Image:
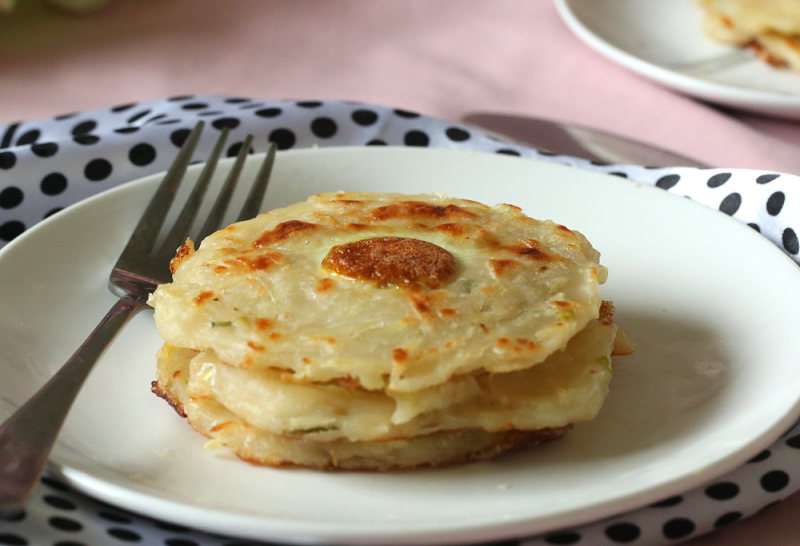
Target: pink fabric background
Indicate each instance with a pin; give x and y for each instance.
(439, 57)
(444, 58)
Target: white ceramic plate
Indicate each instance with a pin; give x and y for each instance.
(712, 305)
(664, 41)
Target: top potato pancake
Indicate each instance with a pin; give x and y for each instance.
(389, 291)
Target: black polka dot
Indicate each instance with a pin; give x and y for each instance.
(53, 184)
(416, 137)
(10, 197)
(670, 501)
(668, 181)
(507, 151)
(157, 117)
(29, 137)
(51, 212)
(65, 524)
(457, 134)
(7, 160)
(793, 441)
(323, 127)
(766, 178)
(268, 112)
(123, 107)
(774, 480)
(114, 516)
(97, 169)
(86, 140)
(168, 122)
(179, 98)
(84, 127)
(762, 456)
(236, 100)
(618, 173)
(790, 242)
(731, 203)
(678, 528)
(142, 154)
(210, 113)
(623, 532)
(233, 149)
(17, 515)
(566, 537)
(179, 136)
(722, 490)
(126, 130)
(775, 203)
(406, 114)
(718, 179)
(221, 123)
(364, 117)
(55, 484)
(376, 142)
(727, 518)
(600, 163)
(11, 229)
(309, 104)
(137, 116)
(12, 540)
(59, 502)
(45, 149)
(171, 527)
(125, 535)
(66, 116)
(180, 542)
(754, 226)
(194, 106)
(283, 138)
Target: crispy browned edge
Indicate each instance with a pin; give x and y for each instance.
(511, 440)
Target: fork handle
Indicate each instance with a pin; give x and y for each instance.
(27, 437)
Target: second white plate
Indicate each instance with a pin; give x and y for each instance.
(712, 304)
(664, 41)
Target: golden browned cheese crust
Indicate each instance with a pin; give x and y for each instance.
(449, 286)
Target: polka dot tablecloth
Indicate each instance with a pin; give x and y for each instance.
(48, 164)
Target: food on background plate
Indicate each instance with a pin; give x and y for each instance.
(382, 331)
(770, 27)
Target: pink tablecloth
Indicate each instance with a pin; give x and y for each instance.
(445, 58)
(440, 57)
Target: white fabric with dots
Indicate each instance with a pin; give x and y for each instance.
(48, 164)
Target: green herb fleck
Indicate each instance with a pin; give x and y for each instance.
(221, 323)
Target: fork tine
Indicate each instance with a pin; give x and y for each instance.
(180, 230)
(252, 204)
(217, 213)
(146, 232)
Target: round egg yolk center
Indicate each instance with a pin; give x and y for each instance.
(392, 261)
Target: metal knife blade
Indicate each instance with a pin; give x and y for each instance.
(578, 141)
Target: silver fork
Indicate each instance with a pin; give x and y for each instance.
(27, 437)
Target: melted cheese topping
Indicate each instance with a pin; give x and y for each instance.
(484, 289)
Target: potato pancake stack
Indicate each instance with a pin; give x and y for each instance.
(381, 331)
(770, 27)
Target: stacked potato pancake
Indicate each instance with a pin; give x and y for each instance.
(382, 331)
(770, 27)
